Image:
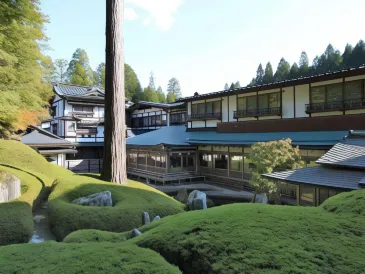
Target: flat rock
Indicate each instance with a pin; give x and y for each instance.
(98, 199)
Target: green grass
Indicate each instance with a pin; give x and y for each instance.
(52, 257)
(254, 238)
(348, 202)
(129, 202)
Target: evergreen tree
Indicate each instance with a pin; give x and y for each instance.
(237, 85)
(161, 95)
(133, 88)
(150, 95)
(100, 75)
(283, 71)
(170, 98)
(346, 56)
(303, 64)
(330, 60)
(226, 87)
(253, 82)
(79, 71)
(231, 86)
(25, 73)
(294, 71)
(60, 74)
(358, 55)
(174, 87)
(152, 81)
(269, 74)
(259, 75)
(315, 64)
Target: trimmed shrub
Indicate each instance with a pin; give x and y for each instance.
(347, 202)
(96, 236)
(129, 202)
(52, 257)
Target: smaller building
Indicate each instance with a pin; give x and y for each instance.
(52, 147)
(342, 168)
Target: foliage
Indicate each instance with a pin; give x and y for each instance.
(259, 75)
(133, 89)
(100, 75)
(25, 72)
(269, 74)
(283, 71)
(330, 60)
(152, 81)
(303, 64)
(170, 97)
(52, 257)
(150, 95)
(60, 70)
(255, 238)
(269, 157)
(161, 95)
(129, 202)
(226, 86)
(294, 71)
(174, 87)
(347, 202)
(79, 71)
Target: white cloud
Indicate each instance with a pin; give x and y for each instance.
(146, 22)
(162, 11)
(130, 14)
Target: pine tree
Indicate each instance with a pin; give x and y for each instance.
(303, 64)
(60, 74)
(150, 95)
(269, 74)
(133, 88)
(346, 56)
(294, 71)
(152, 81)
(237, 85)
(231, 86)
(259, 75)
(226, 86)
(330, 60)
(161, 95)
(25, 72)
(100, 75)
(79, 71)
(358, 55)
(174, 87)
(283, 71)
(170, 98)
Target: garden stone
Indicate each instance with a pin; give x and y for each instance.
(201, 202)
(10, 187)
(145, 218)
(182, 195)
(98, 199)
(261, 198)
(136, 232)
(157, 218)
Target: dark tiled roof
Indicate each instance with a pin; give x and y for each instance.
(41, 138)
(322, 176)
(56, 151)
(286, 83)
(177, 135)
(345, 155)
(158, 105)
(68, 90)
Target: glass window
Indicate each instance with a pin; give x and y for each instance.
(158, 120)
(251, 102)
(274, 100)
(77, 108)
(306, 195)
(334, 93)
(201, 108)
(263, 101)
(318, 94)
(216, 107)
(141, 159)
(205, 160)
(210, 107)
(236, 163)
(71, 126)
(323, 195)
(353, 90)
(175, 160)
(161, 161)
(87, 109)
(221, 161)
(194, 109)
(151, 160)
(132, 158)
(248, 166)
(241, 103)
(145, 121)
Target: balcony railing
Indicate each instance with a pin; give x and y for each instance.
(88, 114)
(335, 106)
(177, 120)
(275, 111)
(205, 116)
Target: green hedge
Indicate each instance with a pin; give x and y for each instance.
(347, 202)
(129, 202)
(52, 257)
(16, 220)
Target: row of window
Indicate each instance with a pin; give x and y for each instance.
(155, 120)
(177, 160)
(208, 107)
(264, 101)
(337, 92)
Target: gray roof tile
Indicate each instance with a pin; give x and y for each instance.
(68, 90)
(39, 137)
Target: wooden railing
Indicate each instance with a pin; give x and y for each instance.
(84, 165)
(275, 111)
(336, 105)
(205, 116)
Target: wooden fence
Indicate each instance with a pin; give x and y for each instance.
(84, 165)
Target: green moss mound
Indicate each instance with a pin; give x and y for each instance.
(347, 202)
(129, 202)
(96, 236)
(52, 257)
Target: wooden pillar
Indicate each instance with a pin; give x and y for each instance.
(295, 114)
(343, 95)
(298, 195)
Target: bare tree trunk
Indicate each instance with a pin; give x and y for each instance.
(114, 164)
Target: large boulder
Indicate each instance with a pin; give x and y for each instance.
(10, 187)
(98, 199)
(182, 195)
(136, 232)
(157, 218)
(145, 218)
(197, 200)
(261, 198)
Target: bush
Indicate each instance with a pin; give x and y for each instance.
(347, 202)
(129, 202)
(52, 257)
(96, 236)
(16, 219)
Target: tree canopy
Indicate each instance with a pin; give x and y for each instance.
(174, 87)
(25, 72)
(79, 70)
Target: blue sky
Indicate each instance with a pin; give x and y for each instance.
(205, 43)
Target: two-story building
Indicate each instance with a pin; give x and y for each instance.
(315, 112)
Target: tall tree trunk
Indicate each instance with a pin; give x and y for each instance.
(114, 164)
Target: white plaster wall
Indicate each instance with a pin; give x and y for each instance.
(301, 98)
(100, 131)
(269, 91)
(354, 111)
(247, 119)
(196, 124)
(70, 133)
(136, 111)
(335, 81)
(220, 148)
(189, 108)
(330, 113)
(189, 125)
(68, 109)
(59, 110)
(269, 117)
(61, 159)
(46, 125)
(288, 102)
(247, 94)
(225, 109)
(232, 107)
(212, 123)
(353, 78)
